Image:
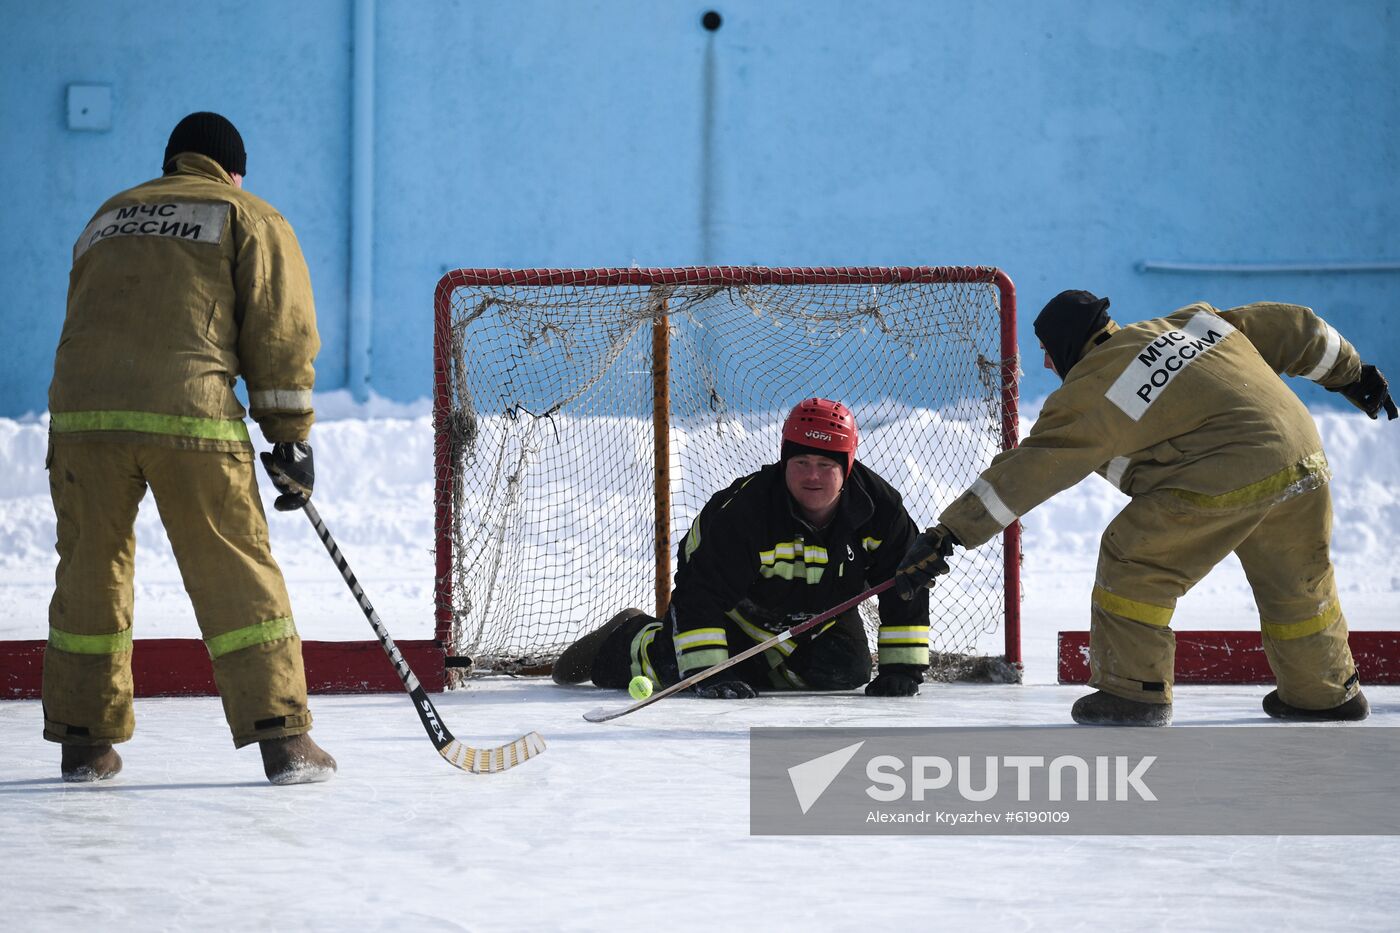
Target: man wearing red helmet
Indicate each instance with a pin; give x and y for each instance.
(775, 548)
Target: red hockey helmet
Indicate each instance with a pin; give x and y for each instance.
(824, 426)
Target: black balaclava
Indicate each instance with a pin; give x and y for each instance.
(1066, 323)
(211, 135)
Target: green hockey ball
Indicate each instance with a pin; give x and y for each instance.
(639, 688)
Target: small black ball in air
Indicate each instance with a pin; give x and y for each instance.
(711, 20)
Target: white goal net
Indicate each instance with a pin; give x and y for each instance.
(584, 417)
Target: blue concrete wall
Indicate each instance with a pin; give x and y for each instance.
(1064, 140)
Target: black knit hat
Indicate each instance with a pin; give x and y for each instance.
(211, 135)
(1066, 324)
(792, 449)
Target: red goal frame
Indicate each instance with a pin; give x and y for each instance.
(722, 276)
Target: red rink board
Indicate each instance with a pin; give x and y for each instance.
(165, 667)
(1237, 657)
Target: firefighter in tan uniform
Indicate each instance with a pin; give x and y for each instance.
(1186, 414)
(178, 287)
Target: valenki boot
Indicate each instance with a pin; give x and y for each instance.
(295, 759)
(83, 764)
(1353, 710)
(575, 665)
(1105, 709)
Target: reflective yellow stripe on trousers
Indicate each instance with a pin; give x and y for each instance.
(1131, 608)
(1286, 631)
(74, 643)
(249, 635)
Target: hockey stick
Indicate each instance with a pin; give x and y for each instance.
(603, 715)
(475, 760)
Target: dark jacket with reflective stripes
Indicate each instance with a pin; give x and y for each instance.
(751, 564)
(1191, 403)
(179, 286)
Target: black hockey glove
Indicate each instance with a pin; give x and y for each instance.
(292, 472)
(896, 680)
(1370, 393)
(926, 559)
(724, 690)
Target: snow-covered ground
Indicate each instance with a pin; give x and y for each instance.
(374, 489)
(638, 824)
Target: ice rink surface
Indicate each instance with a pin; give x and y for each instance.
(639, 824)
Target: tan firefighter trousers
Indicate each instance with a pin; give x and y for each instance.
(209, 505)
(1161, 545)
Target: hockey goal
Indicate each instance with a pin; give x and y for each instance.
(583, 418)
